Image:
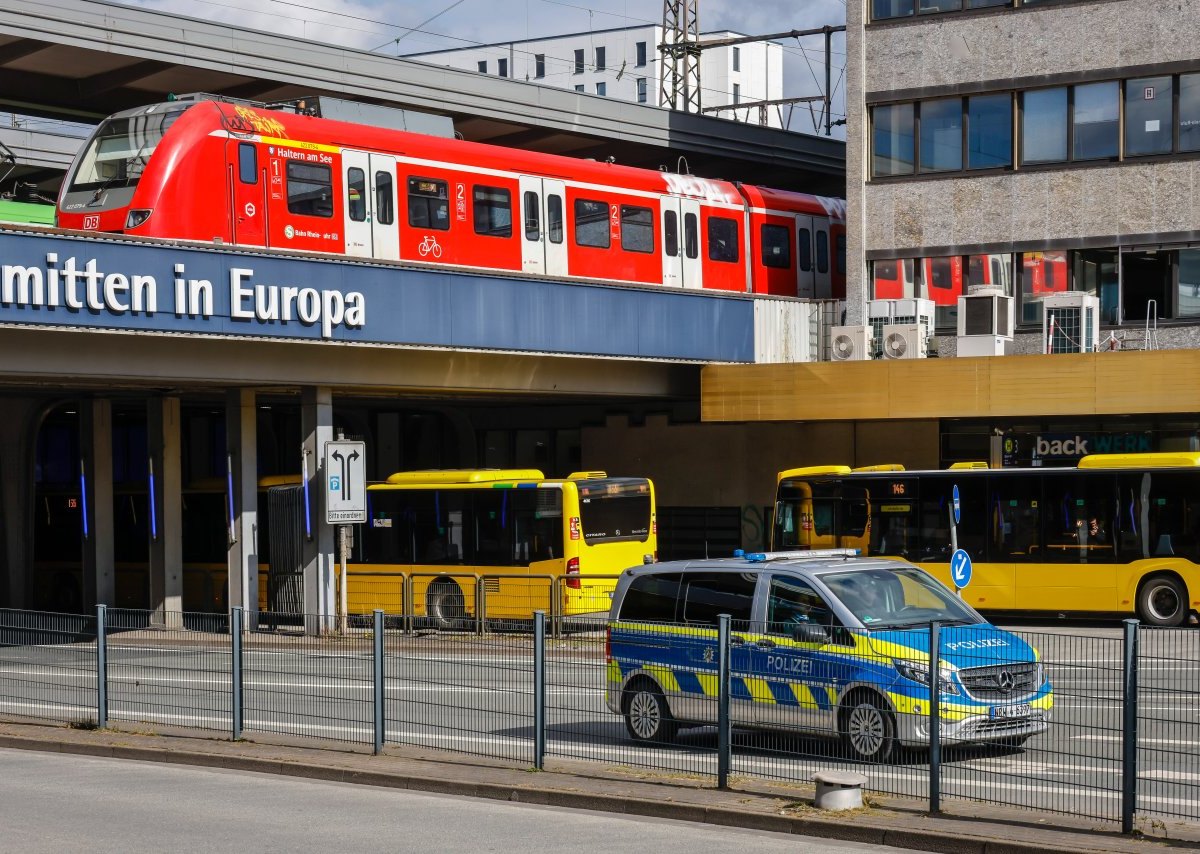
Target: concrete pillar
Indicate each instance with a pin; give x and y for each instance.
(166, 540)
(316, 421)
(18, 444)
(99, 557)
(241, 448)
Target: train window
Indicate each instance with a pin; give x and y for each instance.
(493, 211)
(840, 258)
(247, 163)
(591, 223)
(356, 204)
(722, 239)
(554, 218)
(385, 209)
(310, 189)
(822, 252)
(776, 246)
(805, 250)
(533, 226)
(691, 236)
(637, 229)
(671, 233)
(428, 204)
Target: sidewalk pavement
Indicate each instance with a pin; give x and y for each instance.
(751, 804)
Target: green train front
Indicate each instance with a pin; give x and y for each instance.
(825, 645)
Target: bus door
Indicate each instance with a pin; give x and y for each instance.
(248, 194)
(370, 194)
(806, 281)
(543, 244)
(681, 242)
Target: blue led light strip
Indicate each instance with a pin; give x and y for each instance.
(83, 496)
(153, 505)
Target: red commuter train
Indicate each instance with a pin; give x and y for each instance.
(209, 170)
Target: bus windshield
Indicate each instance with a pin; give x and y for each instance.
(898, 599)
(119, 150)
(615, 509)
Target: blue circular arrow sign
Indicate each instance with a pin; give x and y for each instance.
(957, 506)
(960, 569)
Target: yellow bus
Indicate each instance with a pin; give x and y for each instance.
(511, 536)
(1118, 534)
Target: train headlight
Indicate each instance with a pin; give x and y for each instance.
(136, 217)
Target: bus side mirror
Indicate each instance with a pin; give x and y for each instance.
(810, 633)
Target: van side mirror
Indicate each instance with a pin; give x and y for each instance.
(810, 633)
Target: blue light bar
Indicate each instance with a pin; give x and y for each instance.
(153, 503)
(304, 480)
(83, 496)
(229, 494)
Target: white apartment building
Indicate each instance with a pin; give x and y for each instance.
(625, 63)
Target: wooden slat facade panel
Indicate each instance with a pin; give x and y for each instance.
(1123, 383)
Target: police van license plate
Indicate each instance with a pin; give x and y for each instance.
(1020, 710)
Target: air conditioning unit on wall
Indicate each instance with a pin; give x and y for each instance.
(985, 323)
(850, 343)
(1071, 322)
(881, 312)
(905, 341)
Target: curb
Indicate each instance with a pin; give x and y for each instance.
(855, 831)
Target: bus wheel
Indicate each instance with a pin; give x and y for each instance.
(868, 731)
(1162, 601)
(444, 604)
(646, 714)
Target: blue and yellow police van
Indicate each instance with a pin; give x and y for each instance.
(821, 643)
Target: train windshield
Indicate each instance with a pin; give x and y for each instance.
(121, 148)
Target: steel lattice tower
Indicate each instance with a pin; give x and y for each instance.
(680, 55)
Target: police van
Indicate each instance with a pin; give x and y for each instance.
(821, 642)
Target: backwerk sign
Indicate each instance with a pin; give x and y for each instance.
(215, 290)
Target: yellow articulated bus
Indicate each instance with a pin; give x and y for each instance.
(511, 536)
(1118, 534)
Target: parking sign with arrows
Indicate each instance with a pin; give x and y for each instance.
(345, 482)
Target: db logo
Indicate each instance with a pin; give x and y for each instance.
(250, 209)
(91, 223)
(289, 232)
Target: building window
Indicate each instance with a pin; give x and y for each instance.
(893, 279)
(599, 59)
(641, 90)
(893, 140)
(1043, 274)
(640, 49)
(989, 131)
(579, 87)
(493, 211)
(941, 135)
(1148, 105)
(929, 6)
(539, 65)
(483, 66)
(1189, 112)
(591, 224)
(1044, 126)
(1095, 121)
(602, 88)
(737, 59)
(1189, 283)
(723, 239)
(1095, 271)
(637, 229)
(579, 61)
(502, 67)
(737, 94)
(881, 10)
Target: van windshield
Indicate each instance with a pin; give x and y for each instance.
(120, 148)
(895, 599)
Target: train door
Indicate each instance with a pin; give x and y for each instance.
(681, 242)
(543, 237)
(806, 281)
(370, 193)
(247, 195)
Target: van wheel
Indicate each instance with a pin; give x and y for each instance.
(444, 605)
(1162, 601)
(646, 714)
(868, 731)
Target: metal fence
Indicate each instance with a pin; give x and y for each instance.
(1100, 724)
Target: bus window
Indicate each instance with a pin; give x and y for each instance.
(1014, 507)
(935, 507)
(1132, 516)
(1078, 519)
(1173, 516)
